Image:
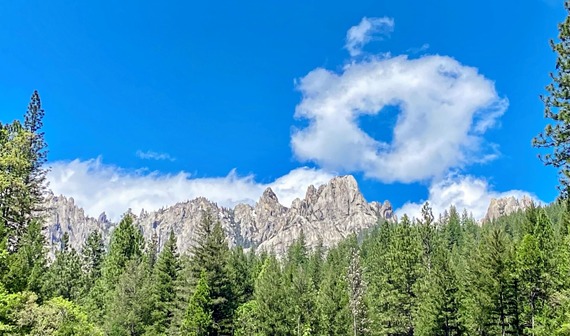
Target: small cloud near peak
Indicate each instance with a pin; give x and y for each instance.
(150, 155)
(367, 30)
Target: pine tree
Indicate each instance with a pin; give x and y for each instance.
(126, 247)
(439, 311)
(36, 177)
(246, 320)
(556, 135)
(210, 254)
(199, 320)
(127, 243)
(241, 275)
(22, 176)
(129, 305)
(63, 277)
(14, 164)
(333, 296)
(272, 300)
(92, 255)
(164, 277)
(27, 265)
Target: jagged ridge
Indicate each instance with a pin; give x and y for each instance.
(326, 215)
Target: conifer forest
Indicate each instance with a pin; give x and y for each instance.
(439, 274)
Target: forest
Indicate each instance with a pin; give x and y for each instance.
(440, 274)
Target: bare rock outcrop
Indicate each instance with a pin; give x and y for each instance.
(325, 216)
(504, 206)
(63, 215)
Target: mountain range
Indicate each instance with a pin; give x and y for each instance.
(325, 215)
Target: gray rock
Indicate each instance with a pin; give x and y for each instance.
(325, 216)
(504, 206)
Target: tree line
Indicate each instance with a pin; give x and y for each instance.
(446, 276)
(450, 276)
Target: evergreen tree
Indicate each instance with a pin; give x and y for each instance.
(126, 247)
(241, 275)
(333, 296)
(394, 287)
(164, 278)
(210, 254)
(14, 163)
(271, 297)
(440, 308)
(92, 255)
(27, 265)
(35, 178)
(556, 135)
(129, 305)
(127, 243)
(198, 320)
(63, 277)
(246, 320)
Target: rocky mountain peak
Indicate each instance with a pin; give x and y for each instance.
(327, 214)
(503, 206)
(269, 197)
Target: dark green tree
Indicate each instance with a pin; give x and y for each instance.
(198, 320)
(272, 300)
(63, 277)
(28, 264)
(210, 254)
(92, 255)
(164, 278)
(556, 135)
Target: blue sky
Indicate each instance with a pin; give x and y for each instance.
(151, 103)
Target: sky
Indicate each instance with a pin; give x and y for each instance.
(152, 103)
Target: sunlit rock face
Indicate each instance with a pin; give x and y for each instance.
(325, 216)
(503, 206)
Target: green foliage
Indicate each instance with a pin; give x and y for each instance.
(26, 266)
(57, 316)
(129, 307)
(246, 321)
(63, 277)
(127, 243)
(198, 320)
(163, 282)
(210, 256)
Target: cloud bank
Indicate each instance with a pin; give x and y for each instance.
(99, 187)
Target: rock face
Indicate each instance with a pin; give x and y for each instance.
(326, 215)
(64, 216)
(507, 205)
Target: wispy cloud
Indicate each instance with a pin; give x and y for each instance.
(367, 30)
(150, 155)
(99, 187)
(418, 50)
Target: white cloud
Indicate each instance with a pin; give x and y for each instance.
(150, 155)
(419, 50)
(445, 109)
(368, 29)
(98, 187)
(464, 192)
